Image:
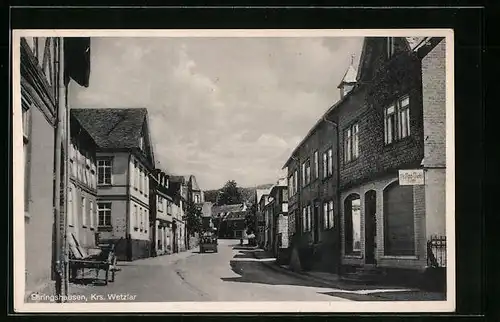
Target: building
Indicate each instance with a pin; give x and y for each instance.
(384, 220)
(44, 78)
(391, 118)
(206, 215)
(231, 219)
(279, 218)
(260, 200)
(179, 190)
(313, 226)
(82, 191)
(124, 163)
(161, 213)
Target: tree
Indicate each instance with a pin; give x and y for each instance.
(193, 218)
(230, 194)
(251, 219)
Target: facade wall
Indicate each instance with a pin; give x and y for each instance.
(39, 216)
(366, 106)
(434, 115)
(283, 230)
(416, 261)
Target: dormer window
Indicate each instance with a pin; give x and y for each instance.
(141, 143)
(390, 47)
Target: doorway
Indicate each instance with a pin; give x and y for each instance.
(370, 226)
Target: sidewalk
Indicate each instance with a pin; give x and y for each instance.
(352, 291)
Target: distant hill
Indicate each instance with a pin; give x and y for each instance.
(248, 194)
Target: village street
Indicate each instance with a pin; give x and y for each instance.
(229, 275)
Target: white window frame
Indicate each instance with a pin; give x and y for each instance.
(303, 174)
(296, 184)
(83, 207)
(146, 183)
(325, 215)
(351, 142)
(137, 175)
(70, 218)
(316, 164)
(390, 47)
(135, 218)
(309, 218)
(105, 165)
(304, 219)
(330, 161)
(101, 207)
(397, 114)
(91, 214)
(141, 220)
(325, 164)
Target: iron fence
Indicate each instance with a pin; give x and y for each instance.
(436, 251)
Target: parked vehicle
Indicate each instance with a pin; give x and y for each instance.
(208, 242)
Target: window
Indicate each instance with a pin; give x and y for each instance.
(104, 209)
(91, 214)
(325, 164)
(141, 143)
(84, 212)
(159, 203)
(390, 47)
(132, 174)
(328, 217)
(71, 221)
(316, 164)
(309, 217)
(351, 146)
(303, 174)
(196, 198)
(397, 120)
(306, 218)
(296, 182)
(328, 163)
(146, 183)
(404, 117)
(135, 219)
(104, 172)
(306, 173)
(399, 229)
(141, 220)
(146, 220)
(352, 224)
(290, 185)
(137, 176)
(26, 147)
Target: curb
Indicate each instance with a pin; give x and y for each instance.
(274, 266)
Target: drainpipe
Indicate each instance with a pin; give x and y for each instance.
(128, 218)
(339, 250)
(59, 132)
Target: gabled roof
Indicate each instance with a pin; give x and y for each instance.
(261, 192)
(227, 208)
(238, 215)
(113, 128)
(194, 183)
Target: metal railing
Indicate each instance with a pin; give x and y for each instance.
(436, 251)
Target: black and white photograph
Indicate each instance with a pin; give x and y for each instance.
(233, 170)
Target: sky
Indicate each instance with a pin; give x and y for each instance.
(220, 108)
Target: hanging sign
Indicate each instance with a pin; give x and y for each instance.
(411, 177)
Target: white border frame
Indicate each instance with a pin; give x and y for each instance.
(257, 307)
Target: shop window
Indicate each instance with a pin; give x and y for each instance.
(399, 229)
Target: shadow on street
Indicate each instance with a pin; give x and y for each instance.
(253, 271)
